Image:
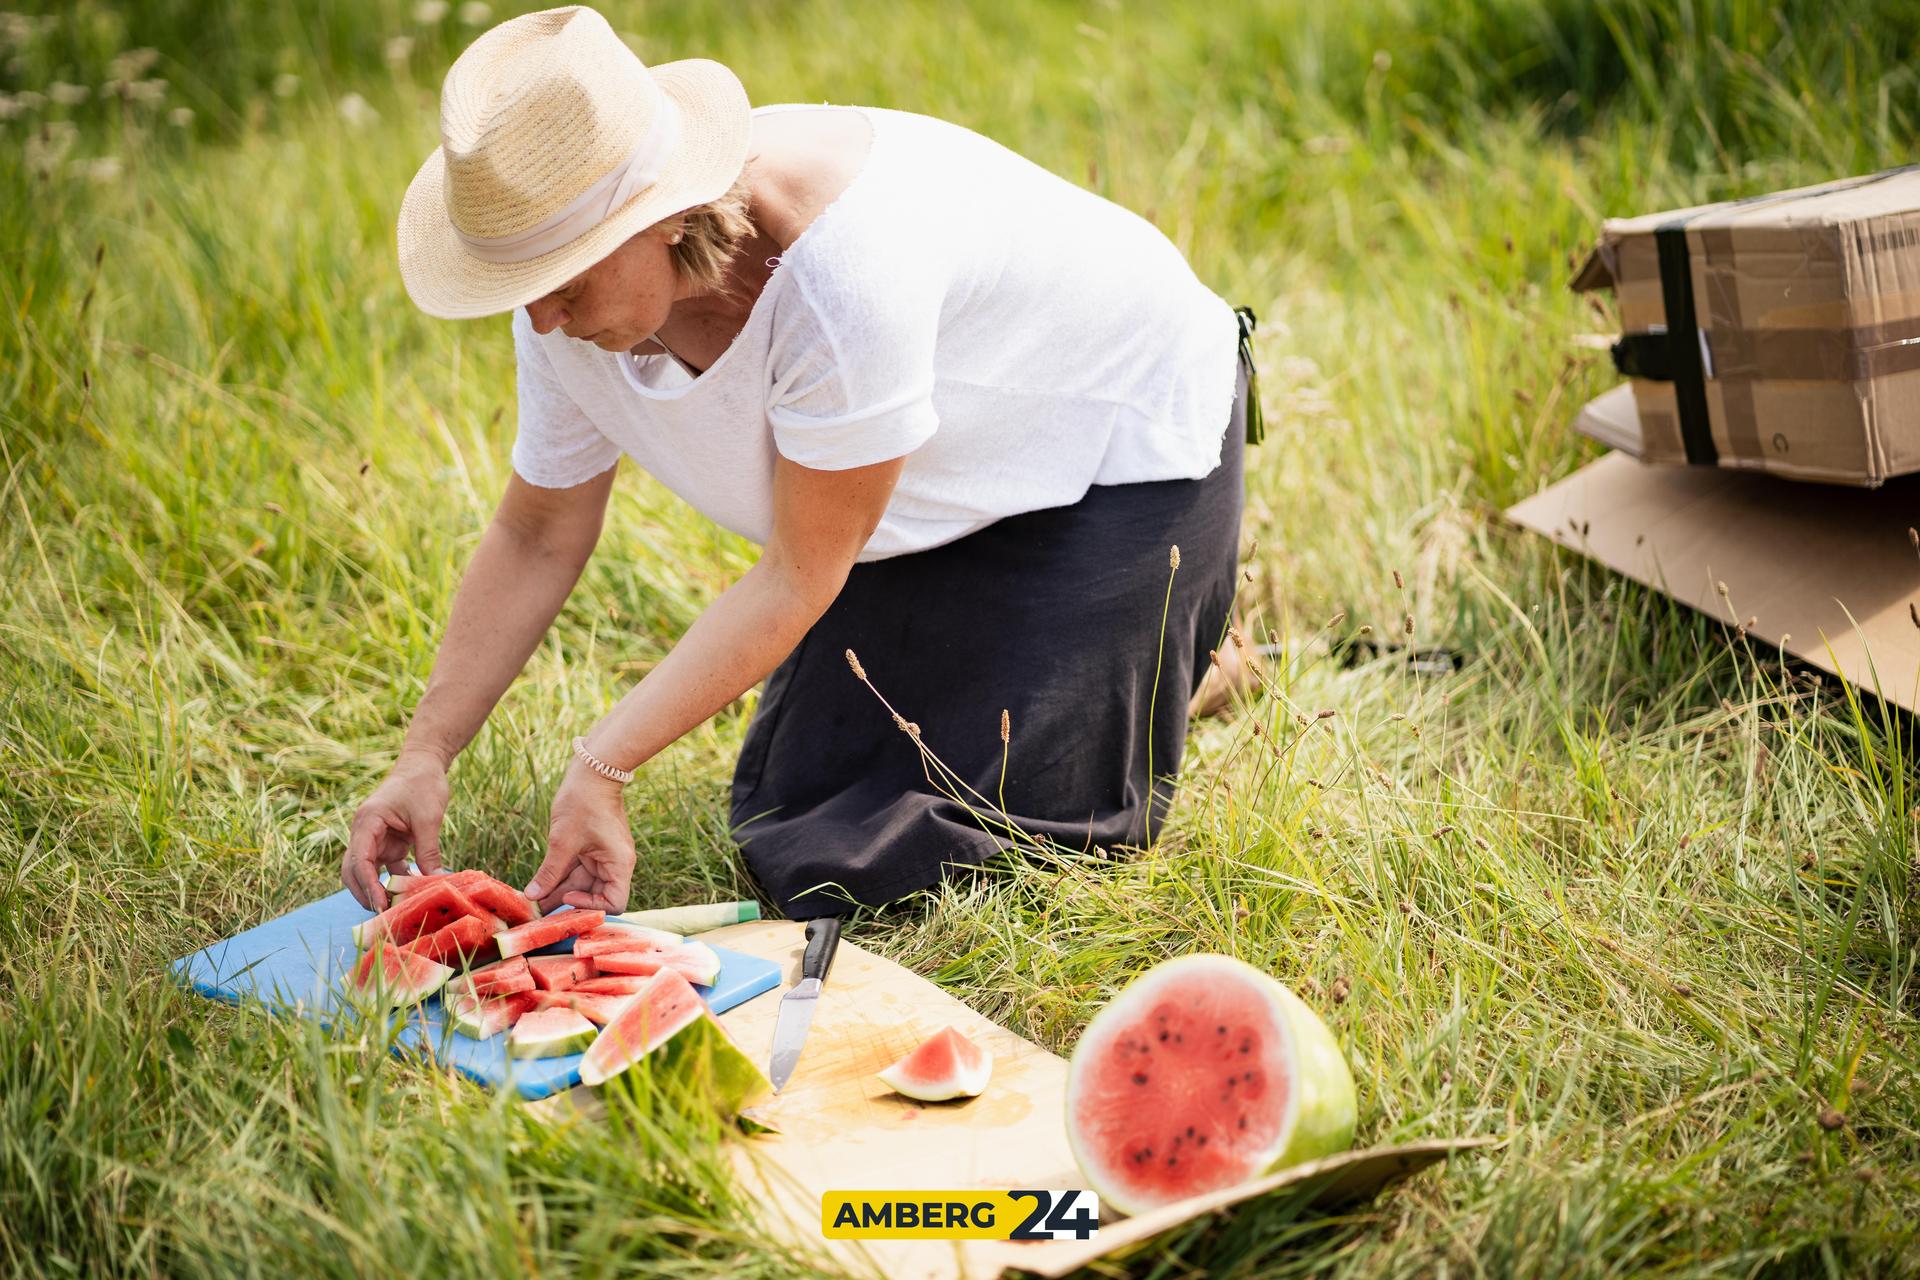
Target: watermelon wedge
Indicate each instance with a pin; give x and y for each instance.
(424, 910)
(511, 905)
(946, 1066)
(546, 931)
(504, 977)
(557, 973)
(483, 1016)
(460, 941)
(398, 976)
(671, 1028)
(1202, 1074)
(599, 1009)
(612, 937)
(549, 1033)
(695, 961)
(614, 984)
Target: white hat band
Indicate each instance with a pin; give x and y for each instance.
(640, 170)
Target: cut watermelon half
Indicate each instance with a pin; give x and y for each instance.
(456, 943)
(546, 931)
(670, 1027)
(502, 978)
(599, 1008)
(558, 973)
(483, 1016)
(695, 961)
(398, 976)
(549, 1033)
(946, 1066)
(611, 937)
(1202, 1074)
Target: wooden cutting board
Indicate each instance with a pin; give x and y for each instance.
(841, 1129)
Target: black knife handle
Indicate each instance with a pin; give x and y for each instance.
(823, 936)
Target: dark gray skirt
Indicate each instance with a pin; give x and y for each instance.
(1053, 616)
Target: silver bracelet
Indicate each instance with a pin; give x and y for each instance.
(599, 766)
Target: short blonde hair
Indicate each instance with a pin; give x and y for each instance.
(711, 237)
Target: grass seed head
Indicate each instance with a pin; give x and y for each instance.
(854, 662)
(1173, 556)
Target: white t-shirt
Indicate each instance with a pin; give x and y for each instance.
(1017, 337)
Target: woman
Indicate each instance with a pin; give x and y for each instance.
(965, 407)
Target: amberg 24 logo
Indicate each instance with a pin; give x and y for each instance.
(1026, 1214)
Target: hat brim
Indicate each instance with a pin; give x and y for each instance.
(447, 281)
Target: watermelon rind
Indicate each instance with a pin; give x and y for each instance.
(397, 977)
(549, 1033)
(691, 1050)
(482, 1016)
(1321, 1107)
(909, 1078)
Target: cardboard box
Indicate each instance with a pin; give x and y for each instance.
(1830, 575)
(1779, 333)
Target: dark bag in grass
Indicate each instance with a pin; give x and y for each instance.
(1256, 421)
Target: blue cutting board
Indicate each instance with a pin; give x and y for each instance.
(295, 963)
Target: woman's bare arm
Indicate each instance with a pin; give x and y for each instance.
(525, 567)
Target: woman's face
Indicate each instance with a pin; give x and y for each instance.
(620, 301)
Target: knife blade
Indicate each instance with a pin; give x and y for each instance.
(796, 1007)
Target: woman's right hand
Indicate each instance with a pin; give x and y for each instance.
(402, 815)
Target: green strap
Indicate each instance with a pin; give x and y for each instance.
(1256, 422)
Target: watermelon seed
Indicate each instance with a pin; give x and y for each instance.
(1221, 1030)
(1189, 1131)
(1139, 1077)
(1173, 1160)
(1243, 1122)
(1163, 1035)
(1203, 1139)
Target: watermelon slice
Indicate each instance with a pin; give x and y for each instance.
(946, 1066)
(511, 905)
(462, 940)
(597, 1008)
(696, 961)
(483, 1016)
(557, 927)
(421, 911)
(1202, 1074)
(557, 973)
(549, 1033)
(612, 937)
(398, 976)
(504, 977)
(614, 984)
(670, 1026)
(399, 884)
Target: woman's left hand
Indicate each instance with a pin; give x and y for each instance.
(590, 855)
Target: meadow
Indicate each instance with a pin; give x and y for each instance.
(1622, 891)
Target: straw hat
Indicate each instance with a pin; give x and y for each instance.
(557, 144)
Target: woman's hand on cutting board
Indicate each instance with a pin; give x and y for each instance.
(402, 816)
(590, 854)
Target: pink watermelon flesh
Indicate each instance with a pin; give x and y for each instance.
(549, 1033)
(494, 1014)
(504, 977)
(695, 964)
(558, 973)
(1185, 1094)
(399, 975)
(465, 938)
(613, 984)
(659, 1012)
(548, 930)
(512, 906)
(599, 1009)
(947, 1065)
(613, 937)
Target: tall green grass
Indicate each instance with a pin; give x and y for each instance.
(1622, 890)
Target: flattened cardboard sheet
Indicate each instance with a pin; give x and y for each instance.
(841, 1129)
(1831, 575)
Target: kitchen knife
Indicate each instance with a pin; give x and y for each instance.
(796, 1007)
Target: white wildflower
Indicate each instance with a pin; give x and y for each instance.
(9, 108)
(356, 111)
(180, 117)
(131, 65)
(286, 84)
(68, 95)
(48, 145)
(399, 48)
(475, 12)
(147, 90)
(28, 100)
(103, 169)
(428, 12)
